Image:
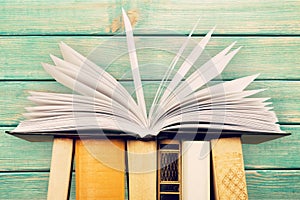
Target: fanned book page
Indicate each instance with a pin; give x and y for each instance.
(183, 103)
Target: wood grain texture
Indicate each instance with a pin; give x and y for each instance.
(27, 186)
(262, 185)
(21, 57)
(142, 158)
(103, 17)
(274, 57)
(285, 97)
(273, 184)
(228, 169)
(280, 153)
(60, 170)
(21, 155)
(100, 169)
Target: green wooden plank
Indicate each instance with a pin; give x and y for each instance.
(280, 153)
(261, 184)
(14, 98)
(273, 184)
(273, 57)
(26, 186)
(285, 97)
(103, 17)
(19, 155)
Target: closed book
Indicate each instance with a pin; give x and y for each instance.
(195, 170)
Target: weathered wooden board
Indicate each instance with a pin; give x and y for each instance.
(285, 97)
(77, 22)
(279, 153)
(27, 185)
(273, 184)
(21, 155)
(262, 184)
(273, 57)
(103, 17)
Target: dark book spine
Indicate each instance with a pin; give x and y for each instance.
(169, 170)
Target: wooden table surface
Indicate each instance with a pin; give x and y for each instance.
(269, 32)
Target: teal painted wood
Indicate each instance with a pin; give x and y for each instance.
(272, 57)
(20, 155)
(273, 184)
(103, 17)
(26, 186)
(284, 94)
(262, 184)
(280, 153)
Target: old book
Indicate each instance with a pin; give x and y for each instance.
(142, 159)
(100, 169)
(195, 170)
(169, 177)
(185, 104)
(61, 169)
(228, 169)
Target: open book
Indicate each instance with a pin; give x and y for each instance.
(182, 104)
